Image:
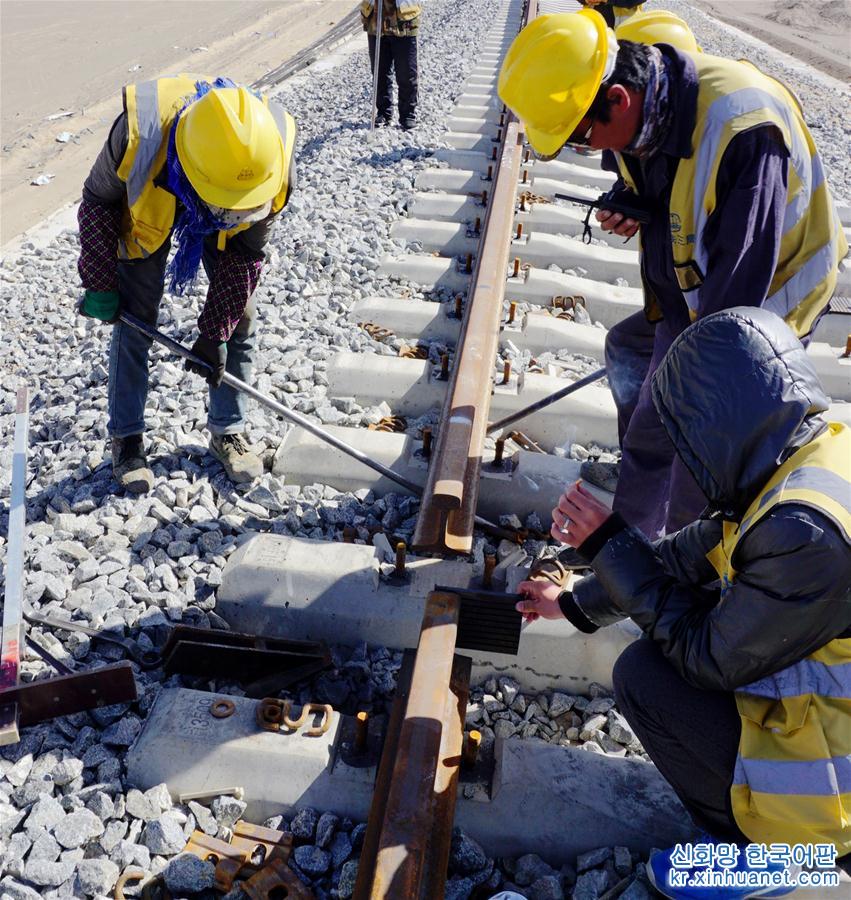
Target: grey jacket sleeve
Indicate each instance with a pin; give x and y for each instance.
(103, 184)
(792, 595)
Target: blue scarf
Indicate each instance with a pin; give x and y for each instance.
(196, 220)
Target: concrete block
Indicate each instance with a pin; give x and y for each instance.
(456, 180)
(554, 801)
(571, 173)
(471, 125)
(532, 482)
(603, 264)
(559, 802)
(183, 745)
(317, 590)
(411, 389)
(606, 303)
(447, 238)
(447, 206)
(473, 160)
(833, 370)
(540, 332)
(833, 328)
(409, 318)
(479, 143)
(560, 218)
(435, 271)
(548, 187)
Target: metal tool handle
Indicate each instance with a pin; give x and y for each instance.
(547, 401)
(292, 416)
(379, 24)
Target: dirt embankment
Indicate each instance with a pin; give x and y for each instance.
(817, 32)
(61, 57)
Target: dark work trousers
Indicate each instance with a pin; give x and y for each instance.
(140, 283)
(656, 493)
(400, 54)
(692, 735)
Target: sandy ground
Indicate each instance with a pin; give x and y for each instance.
(75, 55)
(817, 32)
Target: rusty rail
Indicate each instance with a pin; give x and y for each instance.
(407, 843)
(447, 513)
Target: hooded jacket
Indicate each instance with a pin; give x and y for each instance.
(738, 396)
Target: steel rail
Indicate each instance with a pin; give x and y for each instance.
(407, 843)
(447, 513)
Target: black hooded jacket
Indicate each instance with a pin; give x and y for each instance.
(737, 395)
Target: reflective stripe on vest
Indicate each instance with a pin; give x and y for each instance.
(734, 97)
(792, 780)
(151, 108)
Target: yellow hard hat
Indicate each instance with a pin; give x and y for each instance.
(658, 27)
(552, 72)
(230, 148)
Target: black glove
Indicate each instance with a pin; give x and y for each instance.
(214, 354)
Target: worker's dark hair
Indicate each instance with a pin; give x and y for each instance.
(632, 70)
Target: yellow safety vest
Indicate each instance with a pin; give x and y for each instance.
(792, 781)
(405, 9)
(151, 108)
(734, 97)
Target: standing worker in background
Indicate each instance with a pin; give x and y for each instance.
(614, 13)
(740, 691)
(400, 22)
(721, 157)
(210, 165)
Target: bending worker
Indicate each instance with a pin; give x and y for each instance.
(721, 156)
(741, 690)
(614, 12)
(210, 165)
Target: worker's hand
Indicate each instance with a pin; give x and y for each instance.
(578, 515)
(214, 354)
(103, 305)
(617, 223)
(540, 600)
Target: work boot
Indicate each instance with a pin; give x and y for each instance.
(240, 464)
(129, 465)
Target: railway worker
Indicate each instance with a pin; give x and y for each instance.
(400, 22)
(740, 691)
(658, 26)
(722, 157)
(208, 164)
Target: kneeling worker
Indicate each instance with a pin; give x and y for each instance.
(211, 165)
(741, 690)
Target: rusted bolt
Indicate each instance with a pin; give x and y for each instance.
(221, 708)
(468, 266)
(490, 173)
(459, 306)
(519, 230)
(525, 176)
(401, 551)
(349, 534)
(506, 371)
(361, 730)
(484, 198)
(516, 272)
(526, 156)
(498, 451)
(426, 433)
(501, 119)
(522, 203)
(477, 228)
(487, 575)
(444, 366)
(498, 135)
(493, 154)
(470, 752)
(512, 311)
(847, 352)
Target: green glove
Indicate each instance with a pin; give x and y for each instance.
(103, 305)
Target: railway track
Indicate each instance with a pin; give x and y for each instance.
(488, 237)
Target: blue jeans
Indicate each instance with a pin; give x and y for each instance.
(140, 283)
